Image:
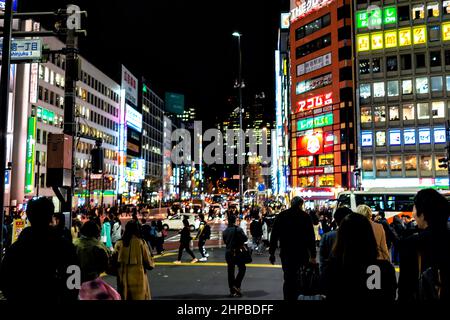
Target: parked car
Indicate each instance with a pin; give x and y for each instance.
(175, 222)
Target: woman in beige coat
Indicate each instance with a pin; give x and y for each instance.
(133, 258)
(378, 231)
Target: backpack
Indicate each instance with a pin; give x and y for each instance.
(207, 232)
(153, 232)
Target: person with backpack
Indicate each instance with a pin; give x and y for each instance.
(425, 256)
(185, 241)
(204, 233)
(256, 231)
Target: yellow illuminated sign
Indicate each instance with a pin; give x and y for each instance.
(420, 35)
(446, 31)
(376, 40)
(363, 42)
(404, 37)
(390, 39)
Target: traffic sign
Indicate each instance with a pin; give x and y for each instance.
(24, 49)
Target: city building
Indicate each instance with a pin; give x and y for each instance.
(403, 56)
(322, 127)
(152, 142)
(38, 110)
(188, 115)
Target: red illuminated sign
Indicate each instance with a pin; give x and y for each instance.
(311, 171)
(315, 102)
(310, 144)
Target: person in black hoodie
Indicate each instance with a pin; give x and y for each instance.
(185, 241)
(353, 262)
(294, 231)
(426, 255)
(36, 267)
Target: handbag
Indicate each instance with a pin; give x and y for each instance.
(309, 279)
(98, 289)
(242, 254)
(430, 283)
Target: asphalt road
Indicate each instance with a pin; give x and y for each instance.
(208, 281)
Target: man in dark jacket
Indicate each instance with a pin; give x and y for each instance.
(36, 266)
(294, 231)
(234, 237)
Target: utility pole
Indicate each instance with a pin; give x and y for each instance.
(4, 106)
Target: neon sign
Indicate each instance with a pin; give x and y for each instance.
(306, 7)
(318, 101)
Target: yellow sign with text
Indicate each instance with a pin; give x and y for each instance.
(420, 35)
(404, 36)
(390, 39)
(376, 41)
(363, 42)
(446, 31)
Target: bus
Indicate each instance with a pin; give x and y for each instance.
(396, 202)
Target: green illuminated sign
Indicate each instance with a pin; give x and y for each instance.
(30, 155)
(317, 122)
(375, 17)
(390, 15)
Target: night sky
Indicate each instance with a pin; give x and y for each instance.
(182, 46)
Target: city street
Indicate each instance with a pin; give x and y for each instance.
(208, 281)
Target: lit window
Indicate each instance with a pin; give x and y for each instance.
(396, 163)
(447, 82)
(47, 75)
(379, 114)
(408, 112)
(437, 164)
(381, 164)
(433, 9)
(418, 11)
(426, 163)
(392, 87)
(407, 87)
(52, 78)
(366, 114)
(367, 164)
(446, 6)
(378, 89)
(421, 85)
(364, 91)
(394, 113)
(438, 109)
(423, 111)
(364, 66)
(380, 139)
(436, 84)
(410, 163)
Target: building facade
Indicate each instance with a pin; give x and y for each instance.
(403, 59)
(322, 109)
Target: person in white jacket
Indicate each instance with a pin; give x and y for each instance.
(116, 232)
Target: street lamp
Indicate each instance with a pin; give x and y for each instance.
(239, 86)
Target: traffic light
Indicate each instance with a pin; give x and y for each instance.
(443, 163)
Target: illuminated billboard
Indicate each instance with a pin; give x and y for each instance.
(136, 172)
(317, 122)
(134, 118)
(310, 144)
(318, 101)
(312, 84)
(375, 17)
(446, 31)
(30, 155)
(302, 8)
(363, 42)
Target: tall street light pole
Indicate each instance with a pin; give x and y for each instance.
(241, 165)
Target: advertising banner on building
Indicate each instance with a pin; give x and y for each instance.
(14, 6)
(174, 103)
(314, 64)
(310, 144)
(18, 226)
(130, 85)
(30, 155)
(315, 83)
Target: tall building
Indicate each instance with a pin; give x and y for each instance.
(322, 119)
(402, 56)
(188, 115)
(38, 110)
(152, 141)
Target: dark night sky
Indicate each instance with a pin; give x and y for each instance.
(182, 46)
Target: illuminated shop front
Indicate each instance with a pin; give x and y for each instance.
(321, 128)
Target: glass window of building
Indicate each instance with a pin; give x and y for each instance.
(407, 87)
(436, 84)
(392, 88)
(378, 89)
(380, 138)
(420, 60)
(423, 111)
(396, 164)
(422, 85)
(435, 59)
(433, 9)
(418, 11)
(408, 112)
(381, 164)
(365, 90)
(405, 62)
(326, 160)
(434, 33)
(391, 63)
(394, 114)
(367, 164)
(376, 65)
(41, 72)
(447, 82)
(447, 57)
(446, 7)
(403, 13)
(379, 113)
(436, 162)
(364, 66)
(410, 163)
(438, 109)
(366, 114)
(426, 163)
